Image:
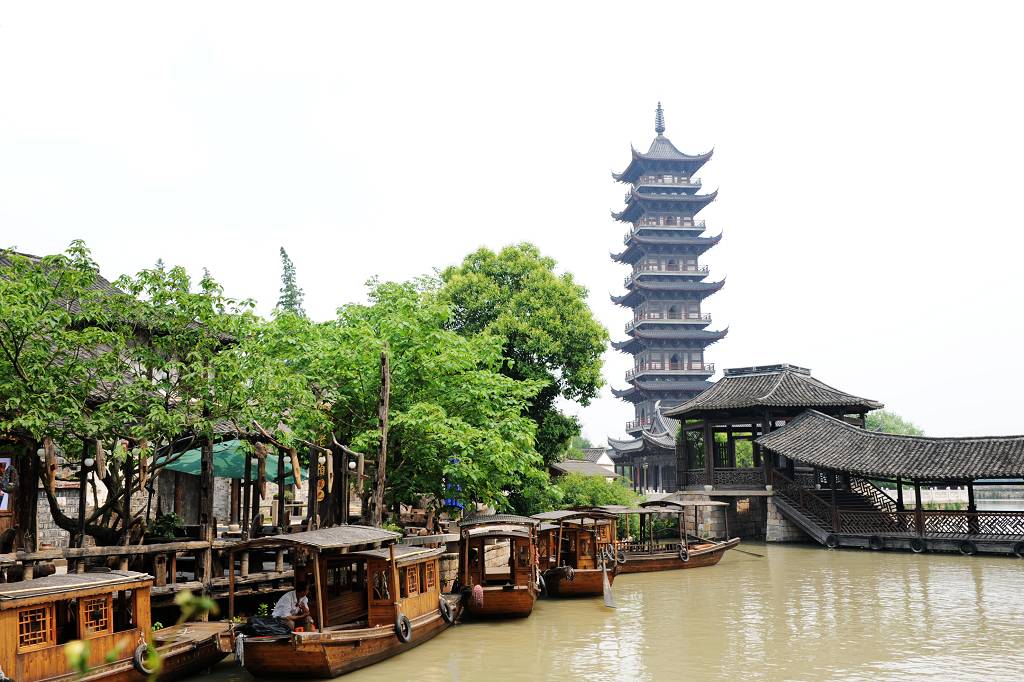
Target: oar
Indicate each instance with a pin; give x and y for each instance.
(743, 551)
(609, 596)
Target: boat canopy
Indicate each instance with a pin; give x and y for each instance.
(335, 538)
(573, 514)
(404, 554)
(70, 585)
(498, 519)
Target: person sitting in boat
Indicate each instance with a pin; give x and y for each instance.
(293, 607)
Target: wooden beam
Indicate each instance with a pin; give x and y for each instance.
(247, 496)
(280, 490)
(918, 508)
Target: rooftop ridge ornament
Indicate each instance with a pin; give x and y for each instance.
(659, 120)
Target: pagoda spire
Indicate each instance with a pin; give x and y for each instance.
(659, 120)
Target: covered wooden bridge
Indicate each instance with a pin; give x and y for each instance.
(846, 507)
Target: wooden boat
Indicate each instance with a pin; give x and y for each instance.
(498, 568)
(652, 554)
(571, 559)
(107, 611)
(369, 603)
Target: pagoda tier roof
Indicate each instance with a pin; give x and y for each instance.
(633, 249)
(704, 336)
(662, 154)
(645, 442)
(638, 288)
(641, 390)
(829, 443)
(770, 386)
(637, 202)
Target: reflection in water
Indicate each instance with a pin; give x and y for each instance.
(802, 613)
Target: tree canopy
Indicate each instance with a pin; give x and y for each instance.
(890, 422)
(548, 332)
(291, 295)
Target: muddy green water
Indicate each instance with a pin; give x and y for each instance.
(800, 613)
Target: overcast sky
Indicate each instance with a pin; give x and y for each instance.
(868, 161)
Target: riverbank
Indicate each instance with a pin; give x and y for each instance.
(801, 613)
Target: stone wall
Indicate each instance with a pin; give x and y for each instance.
(747, 517)
(781, 529)
(449, 570)
(49, 534)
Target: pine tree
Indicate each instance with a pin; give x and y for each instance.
(291, 296)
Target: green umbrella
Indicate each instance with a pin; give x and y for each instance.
(229, 462)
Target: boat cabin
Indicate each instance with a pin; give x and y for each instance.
(498, 564)
(406, 578)
(574, 538)
(38, 618)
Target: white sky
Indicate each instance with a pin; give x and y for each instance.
(868, 160)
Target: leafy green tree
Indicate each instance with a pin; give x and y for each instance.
(549, 334)
(592, 491)
(890, 422)
(291, 295)
(576, 447)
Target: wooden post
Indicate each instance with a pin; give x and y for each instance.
(918, 508)
(243, 564)
(343, 493)
(380, 477)
(709, 453)
(835, 505)
(972, 510)
(558, 554)
(319, 601)
(730, 446)
(247, 496)
(160, 569)
(396, 588)
(236, 502)
(206, 482)
(279, 561)
(82, 485)
(231, 586)
(280, 490)
(899, 494)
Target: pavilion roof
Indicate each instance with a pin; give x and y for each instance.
(637, 202)
(823, 441)
(639, 335)
(634, 296)
(770, 386)
(583, 467)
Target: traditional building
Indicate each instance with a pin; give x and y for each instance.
(665, 290)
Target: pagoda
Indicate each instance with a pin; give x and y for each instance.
(666, 287)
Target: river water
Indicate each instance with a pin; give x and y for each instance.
(800, 613)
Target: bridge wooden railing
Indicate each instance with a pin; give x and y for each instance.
(937, 524)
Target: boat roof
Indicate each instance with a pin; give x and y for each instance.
(67, 584)
(404, 554)
(567, 514)
(685, 503)
(547, 526)
(495, 519)
(499, 530)
(337, 537)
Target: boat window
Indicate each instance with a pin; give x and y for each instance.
(523, 555)
(65, 614)
(428, 575)
(124, 611)
(35, 627)
(96, 615)
(381, 589)
(412, 578)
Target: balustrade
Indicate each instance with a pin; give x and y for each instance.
(673, 367)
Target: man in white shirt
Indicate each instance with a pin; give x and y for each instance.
(293, 606)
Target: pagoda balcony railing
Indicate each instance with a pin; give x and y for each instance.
(638, 424)
(669, 318)
(674, 181)
(685, 368)
(665, 270)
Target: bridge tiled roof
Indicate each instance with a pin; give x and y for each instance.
(770, 386)
(823, 441)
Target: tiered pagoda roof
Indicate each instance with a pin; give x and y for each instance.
(638, 336)
(638, 388)
(638, 290)
(636, 242)
(637, 203)
(659, 438)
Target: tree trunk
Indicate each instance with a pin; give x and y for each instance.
(206, 483)
(380, 475)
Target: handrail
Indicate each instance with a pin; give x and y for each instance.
(877, 496)
(663, 368)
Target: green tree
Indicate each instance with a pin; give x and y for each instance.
(549, 334)
(291, 295)
(890, 422)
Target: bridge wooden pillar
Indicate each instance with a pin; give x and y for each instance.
(899, 494)
(835, 505)
(918, 509)
(709, 453)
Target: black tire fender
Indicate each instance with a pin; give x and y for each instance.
(876, 542)
(139, 660)
(620, 557)
(684, 554)
(917, 545)
(447, 613)
(831, 541)
(1018, 549)
(403, 628)
(968, 548)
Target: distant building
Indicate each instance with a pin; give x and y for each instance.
(665, 290)
(582, 467)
